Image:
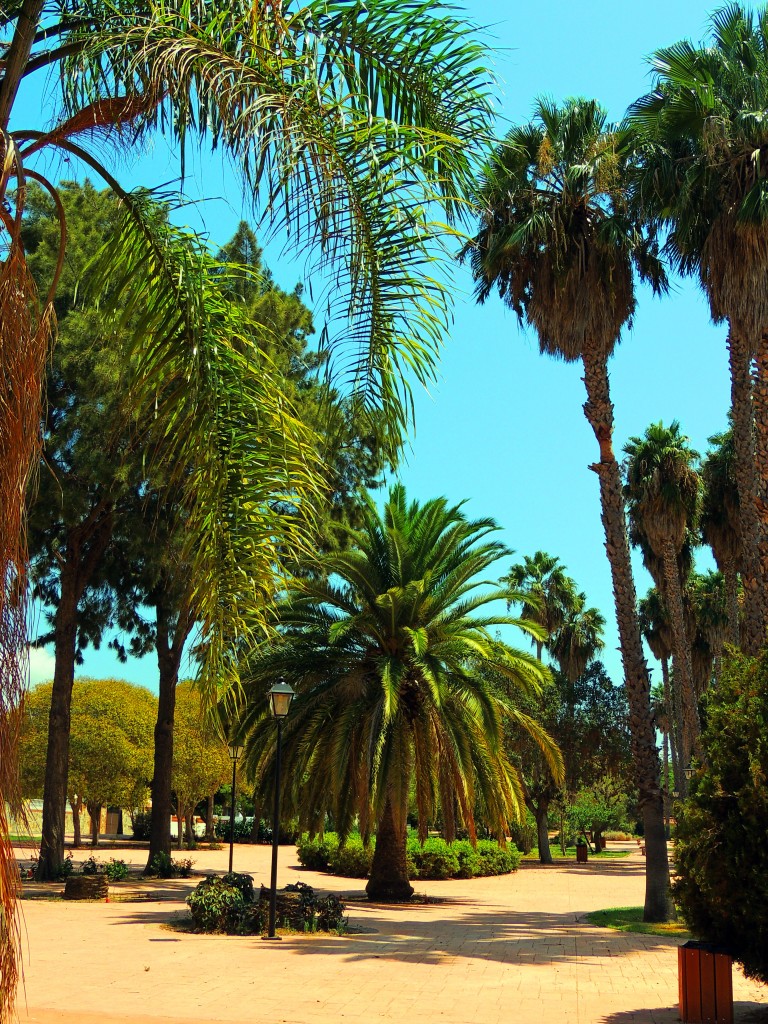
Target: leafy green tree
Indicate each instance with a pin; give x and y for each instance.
(110, 758)
(201, 763)
(343, 122)
(558, 240)
(721, 854)
(701, 179)
(599, 807)
(89, 466)
(663, 492)
(384, 653)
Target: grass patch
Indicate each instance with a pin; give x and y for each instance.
(630, 919)
(570, 854)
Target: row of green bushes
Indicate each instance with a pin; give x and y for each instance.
(436, 859)
(230, 905)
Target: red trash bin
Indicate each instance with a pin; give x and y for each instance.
(706, 985)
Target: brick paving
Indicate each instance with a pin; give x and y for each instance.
(514, 948)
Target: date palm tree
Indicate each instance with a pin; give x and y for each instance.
(579, 639)
(557, 239)
(702, 178)
(720, 521)
(344, 122)
(385, 651)
(662, 490)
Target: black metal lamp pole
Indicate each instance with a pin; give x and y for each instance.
(280, 696)
(235, 750)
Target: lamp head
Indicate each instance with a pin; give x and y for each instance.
(280, 697)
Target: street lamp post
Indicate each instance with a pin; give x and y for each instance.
(280, 697)
(235, 750)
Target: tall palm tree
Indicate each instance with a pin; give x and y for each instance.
(385, 651)
(708, 617)
(549, 593)
(720, 521)
(343, 120)
(662, 490)
(702, 178)
(557, 240)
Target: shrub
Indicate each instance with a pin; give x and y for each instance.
(721, 851)
(90, 866)
(217, 906)
(618, 836)
(116, 870)
(141, 825)
(316, 853)
(164, 866)
(437, 859)
(352, 859)
(242, 882)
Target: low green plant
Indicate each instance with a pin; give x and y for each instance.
(218, 906)
(65, 869)
(116, 870)
(242, 882)
(630, 919)
(164, 866)
(141, 825)
(90, 866)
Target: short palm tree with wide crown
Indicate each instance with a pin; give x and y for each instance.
(383, 651)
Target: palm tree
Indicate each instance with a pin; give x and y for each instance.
(558, 241)
(549, 592)
(701, 178)
(720, 521)
(385, 651)
(343, 122)
(708, 616)
(662, 491)
(579, 639)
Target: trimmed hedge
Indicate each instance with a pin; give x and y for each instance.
(436, 859)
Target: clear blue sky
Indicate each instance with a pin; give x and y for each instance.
(503, 426)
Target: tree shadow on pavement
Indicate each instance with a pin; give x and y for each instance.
(743, 1013)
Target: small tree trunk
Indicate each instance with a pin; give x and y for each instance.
(209, 834)
(77, 806)
(94, 812)
(541, 812)
(388, 882)
(645, 755)
(191, 837)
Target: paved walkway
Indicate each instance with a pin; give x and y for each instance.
(500, 950)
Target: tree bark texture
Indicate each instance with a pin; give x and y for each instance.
(671, 733)
(209, 830)
(541, 813)
(169, 644)
(77, 805)
(760, 408)
(94, 813)
(731, 577)
(681, 652)
(743, 419)
(388, 882)
(645, 755)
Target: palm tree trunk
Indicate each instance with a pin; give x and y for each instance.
(645, 755)
(672, 726)
(732, 602)
(681, 651)
(754, 624)
(388, 882)
(541, 813)
(760, 409)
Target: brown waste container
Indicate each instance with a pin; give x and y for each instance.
(581, 854)
(706, 986)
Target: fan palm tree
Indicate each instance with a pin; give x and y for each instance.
(557, 240)
(385, 651)
(343, 120)
(662, 490)
(706, 598)
(720, 521)
(579, 639)
(549, 592)
(702, 178)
